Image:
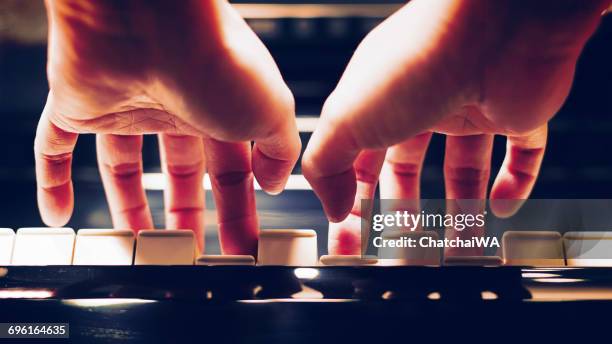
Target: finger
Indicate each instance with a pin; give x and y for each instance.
(275, 155)
(120, 164)
(327, 164)
(229, 168)
(467, 166)
(519, 171)
(400, 177)
(53, 149)
(183, 163)
(345, 237)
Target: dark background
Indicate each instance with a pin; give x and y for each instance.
(311, 53)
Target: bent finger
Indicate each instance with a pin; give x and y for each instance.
(275, 155)
(344, 237)
(53, 149)
(519, 171)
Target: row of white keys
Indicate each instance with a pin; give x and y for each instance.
(58, 246)
(528, 248)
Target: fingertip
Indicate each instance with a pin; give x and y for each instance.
(345, 236)
(504, 202)
(334, 215)
(239, 236)
(506, 208)
(337, 194)
(56, 205)
(271, 173)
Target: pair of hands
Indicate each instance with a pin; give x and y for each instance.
(195, 74)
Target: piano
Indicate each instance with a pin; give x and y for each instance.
(110, 286)
(134, 295)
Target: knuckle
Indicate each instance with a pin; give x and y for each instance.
(186, 171)
(467, 175)
(405, 169)
(231, 178)
(124, 170)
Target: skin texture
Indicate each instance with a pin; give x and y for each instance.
(470, 69)
(191, 72)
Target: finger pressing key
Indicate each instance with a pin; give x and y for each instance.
(231, 176)
(519, 171)
(400, 177)
(345, 236)
(184, 164)
(120, 164)
(467, 166)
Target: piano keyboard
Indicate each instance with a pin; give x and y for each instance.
(289, 247)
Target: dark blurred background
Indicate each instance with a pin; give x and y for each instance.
(311, 42)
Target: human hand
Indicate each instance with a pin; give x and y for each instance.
(192, 72)
(467, 69)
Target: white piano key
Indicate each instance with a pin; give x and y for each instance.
(588, 248)
(103, 247)
(43, 246)
(532, 248)
(417, 255)
(289, 247)
(212, 260)
(165, 247)
(348, 260)
(7, 238)
(473, 261)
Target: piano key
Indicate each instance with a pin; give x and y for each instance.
(212, 260)
(289, 247)
(165, 247)
(417, 255)
(7, 238)
(103, 247)
(473, 261)
(348, 260)
(532, 248)
(43, 246)
(588, 248)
